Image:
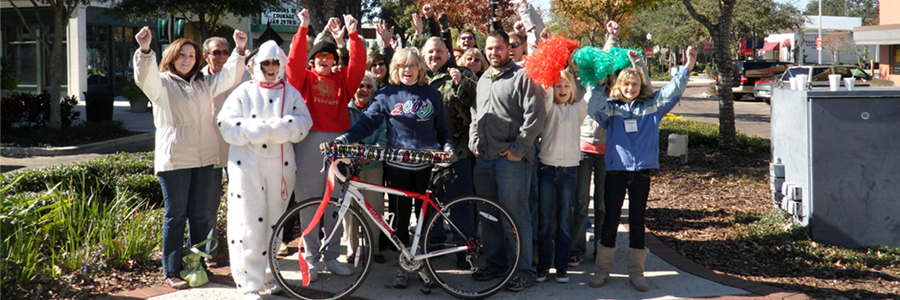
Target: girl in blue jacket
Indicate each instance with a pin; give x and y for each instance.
(631, 117)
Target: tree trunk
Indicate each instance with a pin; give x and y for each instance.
(56, 70)
(727, 135)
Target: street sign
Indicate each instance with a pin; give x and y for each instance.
(648, 52)
(746, 52)
(818, 43)
(707, 47)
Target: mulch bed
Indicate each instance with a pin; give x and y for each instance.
(702, 210)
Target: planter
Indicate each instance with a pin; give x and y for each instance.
(139, 105)
(99, 106)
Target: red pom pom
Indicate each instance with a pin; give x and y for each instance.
(549, 60)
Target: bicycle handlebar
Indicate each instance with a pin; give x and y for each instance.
(404, 155)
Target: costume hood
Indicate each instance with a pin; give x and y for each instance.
(268, 50)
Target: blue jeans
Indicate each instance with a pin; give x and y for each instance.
(637, 185)
(591, 164)
(463, 216)
(215, 199)
(506, 181)
(533, 195)
(557, 189)
(186, 197)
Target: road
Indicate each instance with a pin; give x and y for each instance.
(751, 116)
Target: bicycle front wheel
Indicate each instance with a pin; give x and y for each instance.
(331, 279)
(467, 218)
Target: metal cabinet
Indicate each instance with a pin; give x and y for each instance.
(836, 163)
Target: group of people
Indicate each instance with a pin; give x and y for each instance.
(521, 129)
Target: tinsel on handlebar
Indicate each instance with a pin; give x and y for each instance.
(403, 155)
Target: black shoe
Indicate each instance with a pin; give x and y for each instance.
(461, 262)
(517, 284)
(484, 274)
(541, 275)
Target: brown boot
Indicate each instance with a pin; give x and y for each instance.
(636, 259)
(604, 263)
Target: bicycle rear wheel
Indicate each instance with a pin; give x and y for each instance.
(326, 284)
(454, 272)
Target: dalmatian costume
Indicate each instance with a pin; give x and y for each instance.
(260, 120)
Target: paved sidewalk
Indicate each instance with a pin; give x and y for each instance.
(671, 276)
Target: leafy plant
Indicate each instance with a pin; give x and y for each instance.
(133, 92)
(24, 109)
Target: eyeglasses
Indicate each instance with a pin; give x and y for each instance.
(217, 52)
(473, 59)
(324, 55)
(267, 63)
(378, 64)
(467, 38)
(366, 86)
(515, 45)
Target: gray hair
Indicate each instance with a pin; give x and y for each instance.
(371, 77)
(215, 38)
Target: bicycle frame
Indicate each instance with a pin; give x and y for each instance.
(351, 191)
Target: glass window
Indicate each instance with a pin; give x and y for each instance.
(98, 63)
(846, 72)
(820, 74)
(25, 55)
(120, 34)
(794, 72)
(129, 35)
(896, 55)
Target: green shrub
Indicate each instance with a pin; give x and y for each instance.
(132, 92)
(62, 232)
(112, 174)
(24, 109)
(9, 83)
(706, 136)
(661, 78)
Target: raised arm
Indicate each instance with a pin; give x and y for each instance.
(532, 21)
(356, 68)
(612, 30)
(296, 65)
(637, 61)
(597, 106)
(233, 70)
(668, 96)
(146, 70)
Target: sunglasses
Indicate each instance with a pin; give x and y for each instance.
(378, 64)
(324, 55)
(217, 52)
(514, 45)
(467, 38)
(267, 63)
(472, 59)
(367, 86)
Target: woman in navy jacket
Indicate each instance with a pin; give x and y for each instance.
(416, 118)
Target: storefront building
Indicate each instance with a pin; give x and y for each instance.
(886, 38)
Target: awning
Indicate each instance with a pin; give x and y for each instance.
(786, 43)
(770, 46)
(877, 35)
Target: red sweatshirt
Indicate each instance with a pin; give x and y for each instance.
(326, 96)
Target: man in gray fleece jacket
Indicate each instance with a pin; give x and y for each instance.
(507, 116)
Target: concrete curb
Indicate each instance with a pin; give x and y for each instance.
(71, 150)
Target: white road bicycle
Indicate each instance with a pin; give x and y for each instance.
(450, 262)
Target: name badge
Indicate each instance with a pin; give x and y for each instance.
(631, 125)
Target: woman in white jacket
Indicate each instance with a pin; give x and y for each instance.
(261, 120)
(186, 145)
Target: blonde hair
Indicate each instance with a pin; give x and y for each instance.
(404, 57)
(565, 75)
(170, 55)
(477, 54)
(646, 88)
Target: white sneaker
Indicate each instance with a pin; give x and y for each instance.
(252, 296)
(313, 271)
(271, 288)
(337, 268)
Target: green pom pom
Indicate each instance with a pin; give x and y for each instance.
(594, 64)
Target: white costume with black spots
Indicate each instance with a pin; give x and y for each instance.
(260, 120)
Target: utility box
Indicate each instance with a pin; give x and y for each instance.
(836, 163)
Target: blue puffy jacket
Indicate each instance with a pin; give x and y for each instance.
(636, 150)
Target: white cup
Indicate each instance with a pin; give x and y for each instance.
(801, 82)
(834, 81)
(793, 83)
(849, 83)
